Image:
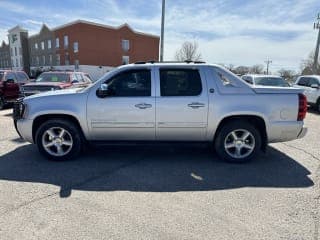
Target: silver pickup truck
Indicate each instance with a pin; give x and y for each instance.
(163, 102)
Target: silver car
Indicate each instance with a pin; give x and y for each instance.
(163, 102)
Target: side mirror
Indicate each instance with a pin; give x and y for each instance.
(103, 91)
(317, 86)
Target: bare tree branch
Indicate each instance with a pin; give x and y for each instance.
(188, 51)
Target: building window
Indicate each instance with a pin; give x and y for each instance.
(50, 60)
(20, 51)
(11, 51)
(43, 60)
(42, 45)
(57, 43)
(125, 60)
(37, 61)
(75, 47)
(76, 64)
(17, 63)
(65, 41)
(49, 44)
(125, 45)
(67, 59)
(15, 51)
(12, 62)
(36, 46)
(21, 62)
(58, 59)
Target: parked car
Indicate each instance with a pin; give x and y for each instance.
(49, 81)
(10, 84)
(157, 102)
(265, 80)
(311, 86)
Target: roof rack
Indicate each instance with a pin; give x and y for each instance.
(153, 61)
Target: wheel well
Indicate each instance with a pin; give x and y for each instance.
(258, 122)
(41, 119)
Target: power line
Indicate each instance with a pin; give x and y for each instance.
(268, 62)
(162, 30)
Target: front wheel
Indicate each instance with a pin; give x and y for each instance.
(238, 141)
(58, 139)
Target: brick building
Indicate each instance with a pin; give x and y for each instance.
(90, 47)
(5, 60)
(79, 45)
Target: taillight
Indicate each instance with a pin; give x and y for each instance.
(302, 107)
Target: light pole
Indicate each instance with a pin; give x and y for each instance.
(316, 25)
(268, 63)
(162, 30)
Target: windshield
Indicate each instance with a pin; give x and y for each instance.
(53, 77)
(271, 81)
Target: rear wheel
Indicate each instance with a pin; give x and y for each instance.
(238, 141)
(59, 139)
(318, 105)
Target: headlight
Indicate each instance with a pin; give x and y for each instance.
(19, 109)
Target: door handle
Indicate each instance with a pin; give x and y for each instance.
(196, 105)
(143, 105)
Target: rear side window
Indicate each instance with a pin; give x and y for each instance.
(313, 81)
(180, 82)
(303, 81)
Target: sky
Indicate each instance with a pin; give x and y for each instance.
(237, 32)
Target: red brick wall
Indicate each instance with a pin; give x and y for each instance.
(101, 46)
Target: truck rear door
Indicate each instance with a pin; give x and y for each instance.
(181, 104)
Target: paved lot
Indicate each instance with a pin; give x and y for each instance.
(160, 193)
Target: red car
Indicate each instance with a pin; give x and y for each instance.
(10, 85)
(49, 81)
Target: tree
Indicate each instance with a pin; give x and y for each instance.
(307, 65)
(287, 74)
(188, 51)
(256, 69)
(241, 70)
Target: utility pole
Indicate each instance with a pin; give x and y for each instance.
(162, 30)
(268, 62)
(316, 26)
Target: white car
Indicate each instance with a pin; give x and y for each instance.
(311, 86)
(265, 80)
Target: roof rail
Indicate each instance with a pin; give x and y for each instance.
(153, 61)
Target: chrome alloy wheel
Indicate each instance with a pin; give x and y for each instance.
(57, 141)
(239, 143)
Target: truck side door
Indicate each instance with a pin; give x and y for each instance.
(181, 104)
(128, 113)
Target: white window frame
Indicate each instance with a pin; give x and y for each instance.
(65, 41)
(49, 44)
(125, 60)
(57, 43)
(42, 45)
(125, 45)
(76, 47)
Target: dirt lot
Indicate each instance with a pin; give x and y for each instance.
(160, 192)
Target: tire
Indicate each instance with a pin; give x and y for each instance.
(317, 106)
(2, 103)
(238, 141)
(59, 140)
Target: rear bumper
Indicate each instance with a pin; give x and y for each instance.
(285, 131)
(303, 132)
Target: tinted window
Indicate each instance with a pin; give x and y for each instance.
(247, 79)
(271, 81)
(22, 77)
(303, 81)
(313, 81)
(53, 77)
(131, 84)
(180, 82)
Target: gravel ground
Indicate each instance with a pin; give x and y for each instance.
(167, 192)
